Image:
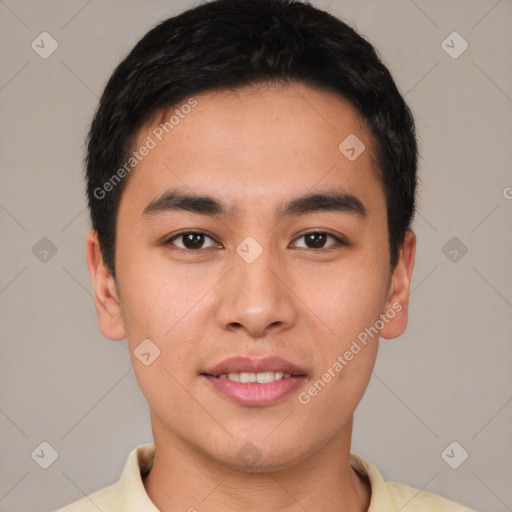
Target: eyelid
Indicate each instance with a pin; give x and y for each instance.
(169, 240)
(340, 239)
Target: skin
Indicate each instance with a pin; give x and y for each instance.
(253, 149)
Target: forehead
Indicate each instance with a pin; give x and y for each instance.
(255, 143)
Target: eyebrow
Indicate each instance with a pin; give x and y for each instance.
(323, 201)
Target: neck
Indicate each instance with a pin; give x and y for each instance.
(183, 478)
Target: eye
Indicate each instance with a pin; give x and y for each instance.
(192, 240)
(317, 239)
(195, 240)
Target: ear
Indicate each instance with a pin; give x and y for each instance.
(397, 303)
(105, 293)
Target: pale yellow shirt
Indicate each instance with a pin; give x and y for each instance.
(129, 494)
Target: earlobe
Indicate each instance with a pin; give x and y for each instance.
(105, 293)
(397, 304)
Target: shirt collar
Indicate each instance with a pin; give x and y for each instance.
(132, 493)
(134, 498)
(382, 498)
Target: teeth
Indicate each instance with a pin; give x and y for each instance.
(247, 377)
(261, 377)
(265, 377)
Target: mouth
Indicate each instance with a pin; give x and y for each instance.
(255, 382)
(247, 377)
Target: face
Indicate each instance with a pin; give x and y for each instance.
(300, 289)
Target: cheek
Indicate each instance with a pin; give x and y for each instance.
(170, 307)
(347, 298)
(347, 352)
(154, 295)
(158, 312)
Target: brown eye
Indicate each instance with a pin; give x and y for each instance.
(317, 240)
(191, 240)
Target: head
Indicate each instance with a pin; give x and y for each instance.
(298, 156)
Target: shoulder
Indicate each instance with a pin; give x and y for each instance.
(394, 496)
(410, 499)
(106, 500)
(127, 492)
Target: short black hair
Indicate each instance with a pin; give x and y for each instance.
(226, 44)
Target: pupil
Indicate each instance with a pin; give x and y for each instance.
(193, 240)
(317, 239)
(192, 237)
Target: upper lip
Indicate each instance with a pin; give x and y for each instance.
(251, 365)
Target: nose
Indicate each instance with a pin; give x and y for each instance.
(257, 297)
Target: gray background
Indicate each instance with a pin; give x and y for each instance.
(447, 379)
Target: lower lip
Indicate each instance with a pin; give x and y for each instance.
(255, 394)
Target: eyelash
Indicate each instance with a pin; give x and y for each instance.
(339, 241)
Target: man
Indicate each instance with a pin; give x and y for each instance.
(251, 175)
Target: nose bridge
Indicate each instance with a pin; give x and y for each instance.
(256, 272)
(255, 296)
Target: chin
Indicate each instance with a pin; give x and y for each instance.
(260, 458)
